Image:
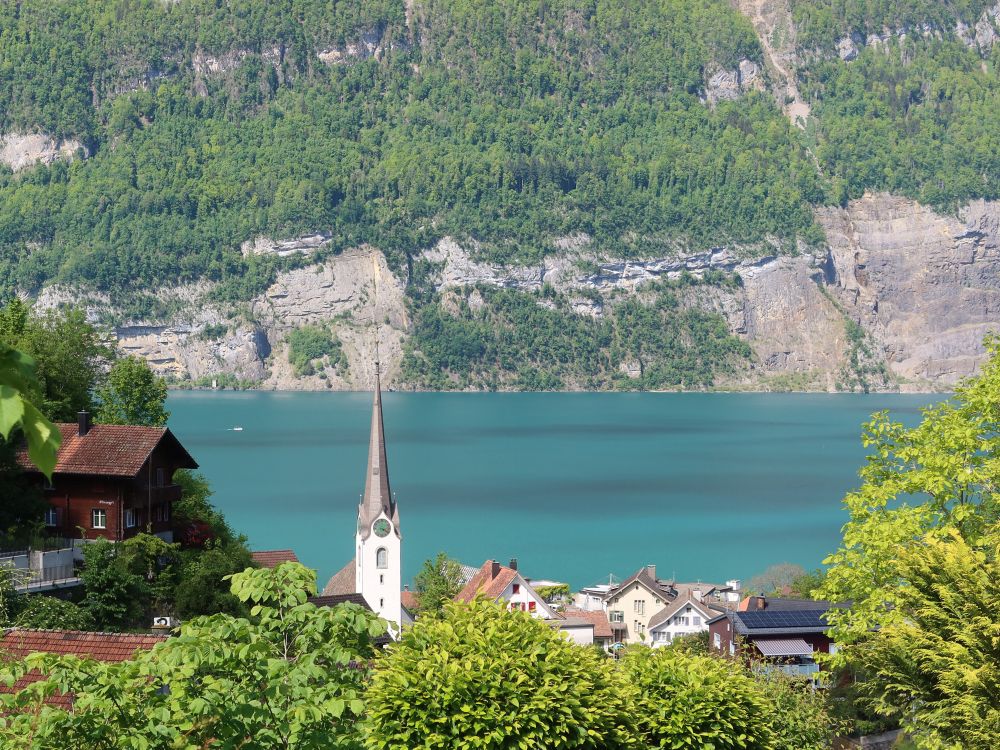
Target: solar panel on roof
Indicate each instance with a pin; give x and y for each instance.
(810, 618)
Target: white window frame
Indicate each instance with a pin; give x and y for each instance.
(96, 513)
(51, 517)
(382, 558)
(130, 518)
(717, 641)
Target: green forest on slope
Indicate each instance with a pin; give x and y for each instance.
(511, 123)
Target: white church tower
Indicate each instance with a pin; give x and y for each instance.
(377, 561)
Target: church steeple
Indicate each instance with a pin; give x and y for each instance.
(378, 496)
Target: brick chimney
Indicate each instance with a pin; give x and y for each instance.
(83, 423)
(494, 569)
(652, 571)
(513, 563)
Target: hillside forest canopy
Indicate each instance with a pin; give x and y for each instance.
(511, 123)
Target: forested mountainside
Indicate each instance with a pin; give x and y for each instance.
(682, 193)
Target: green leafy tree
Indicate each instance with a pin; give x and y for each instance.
(917, 483)
(290, 676)
(17, 383)
(686, 701)
(132, 394)
(23, 507)
(50, 613)
(936, 668)
(775, 579)
(200, 589)
(478, 676)
(116, 596)
(438, 581)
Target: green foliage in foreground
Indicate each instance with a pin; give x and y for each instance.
(310, 344)
(731, 710)
(917, 482)
(936, 669)
(289, 676)
(482, 677)
(520, 340)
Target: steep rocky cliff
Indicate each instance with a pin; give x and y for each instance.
(923, 289)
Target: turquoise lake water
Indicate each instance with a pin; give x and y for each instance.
(575, 485)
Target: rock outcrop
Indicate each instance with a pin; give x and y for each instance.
(22, 150)
(926, 287)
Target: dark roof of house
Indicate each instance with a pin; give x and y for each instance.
(778, 604)
(333, 600)
(676, 606)
(489, 581)
(343, 581)
(778, 622)
(16, 643)
(272, 558)
(599, 619)
(111, 450)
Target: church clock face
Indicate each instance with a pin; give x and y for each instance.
(381, 527)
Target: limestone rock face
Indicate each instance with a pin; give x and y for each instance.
(341, 293)
(22, 150)
(727, 85)
(925, 286)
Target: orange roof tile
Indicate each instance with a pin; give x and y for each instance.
(107, 449)
(272, 558)
(409, 600)
(490, 582)
(599, 618)
(16, 643)
(111, 647)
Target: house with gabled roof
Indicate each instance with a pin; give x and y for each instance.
(784, 633)
(504, 585)
(272, 558)
(686, 615)
(111, 481)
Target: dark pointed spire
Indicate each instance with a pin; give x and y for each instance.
(378, 497)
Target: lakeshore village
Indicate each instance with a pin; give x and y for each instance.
(114, 481)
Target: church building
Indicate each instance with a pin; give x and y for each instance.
(375, 571)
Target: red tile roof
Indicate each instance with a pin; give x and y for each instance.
(16, 643)
(599, 618)
(342, 582)
(490, 582)
(409, 600)
(19, 642)
(108, 449)
(272, 558)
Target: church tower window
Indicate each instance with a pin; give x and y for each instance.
(381, 558)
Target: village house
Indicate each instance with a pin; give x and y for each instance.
(505, 585)
(112, 481)
(642, 599)
(686, 615)
(784, 634)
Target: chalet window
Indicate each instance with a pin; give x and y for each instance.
(382, 558)
(717, 641)
(616, 615)
(696, 620)
(639, 605)
(98, 519)
(517, 588)
(129, 518)
(159, 477)
(51, 517)
(531, 606)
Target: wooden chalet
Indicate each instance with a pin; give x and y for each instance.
(112, 481)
